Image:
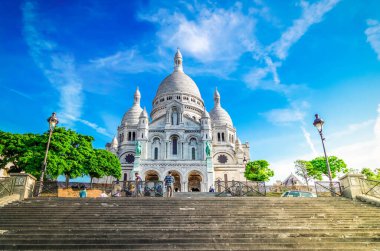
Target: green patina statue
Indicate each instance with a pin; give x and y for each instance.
(208, 148)
(138, 148)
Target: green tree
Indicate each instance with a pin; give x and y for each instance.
(70, 153)
(303, 168)
(104, 163)
(319, 167)
(370, 174)
(258, 170)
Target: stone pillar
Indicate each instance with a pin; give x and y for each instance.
(210, 173)
(136, 168)
(24, 185)
(351, 185)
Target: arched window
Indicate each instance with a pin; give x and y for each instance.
(174, 143)
(218, 136)
(133, 136)
(129, 136)
(175, 116)
(193, 153)
(222, 136)
(156, 153)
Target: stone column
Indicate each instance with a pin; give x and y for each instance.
(210, 172)
(24, 185)
(136, 168)
(351, 185)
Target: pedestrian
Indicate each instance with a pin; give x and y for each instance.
(169, 183)
(138, 185)
(83, 192)
(211, 190)
(103, 194)
(116, 191)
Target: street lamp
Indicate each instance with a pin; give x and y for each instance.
(318, 123)
(53, 121)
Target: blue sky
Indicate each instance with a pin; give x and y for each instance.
(275, 63)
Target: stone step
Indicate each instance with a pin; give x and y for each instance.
(203, 246)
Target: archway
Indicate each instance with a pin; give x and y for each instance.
(194, 181)
(152, 175)
(177, 180)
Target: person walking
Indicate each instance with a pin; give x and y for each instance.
(169, 183)
(138, 181)
(83, 192)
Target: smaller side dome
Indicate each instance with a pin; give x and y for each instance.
(131, 117)
(205, 114)
(114, 143)
(218, 115)
(143, 114)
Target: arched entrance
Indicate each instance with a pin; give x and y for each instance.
(152, 175)
(177, 181)
(194, 181)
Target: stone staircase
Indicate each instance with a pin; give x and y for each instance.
(259, 223)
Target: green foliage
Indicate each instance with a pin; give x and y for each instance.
(104, 163)
(70, 154)
(370, 174)
(258, 170)
(303, 168)
(319, 167)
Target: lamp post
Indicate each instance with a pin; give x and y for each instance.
(53, 121)
(318, 123)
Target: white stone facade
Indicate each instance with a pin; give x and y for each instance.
(174, 138)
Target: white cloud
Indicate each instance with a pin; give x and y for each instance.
(373, 35)
(128, 61)
(215, 35)
(307, 136)
(58, 68)
(311, 14)
(357, 155)
(266, 77)
(295, 113)
(352, 128)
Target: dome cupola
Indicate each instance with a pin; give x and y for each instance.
(218, 115)
(131, 117)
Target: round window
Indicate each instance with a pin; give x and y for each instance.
(222, 159)
(129, 158)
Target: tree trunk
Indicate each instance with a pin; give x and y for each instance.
(67, 180)
(91, 182)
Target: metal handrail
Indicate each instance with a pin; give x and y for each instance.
(134, 189)
(329, 187)
(240, 188)
(373, 188)
(7, 185)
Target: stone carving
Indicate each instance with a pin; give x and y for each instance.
(138, 148)
(208, 149)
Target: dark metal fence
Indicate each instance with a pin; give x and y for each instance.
(327, 189)
(370, 187)
(7, 185)
(240, 188)
(277, 188)
(49, 189)
(133, 189)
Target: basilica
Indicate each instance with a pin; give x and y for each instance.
(179, 135)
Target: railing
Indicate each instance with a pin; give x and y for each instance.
(49, 189)
(370, 187)
(133, 189)
(240, 188)
(7, 185)
(279, 189)
(327, 189)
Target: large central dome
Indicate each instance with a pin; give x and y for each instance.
(178, 81)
